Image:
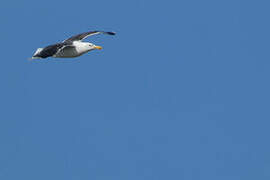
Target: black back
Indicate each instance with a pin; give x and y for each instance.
(50, 50)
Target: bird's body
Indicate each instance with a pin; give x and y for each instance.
(69, 48)
(75, 49)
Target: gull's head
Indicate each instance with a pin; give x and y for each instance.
(93, 46)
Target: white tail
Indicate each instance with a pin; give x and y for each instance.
(32, 58)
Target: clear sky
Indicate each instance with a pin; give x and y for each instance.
(182, 91)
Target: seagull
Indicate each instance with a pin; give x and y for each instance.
(70, 48)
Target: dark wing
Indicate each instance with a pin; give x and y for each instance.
(82, 36)
(53, 49)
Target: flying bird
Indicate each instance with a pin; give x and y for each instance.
(71, 47)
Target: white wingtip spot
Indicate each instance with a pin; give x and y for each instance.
(38, 51)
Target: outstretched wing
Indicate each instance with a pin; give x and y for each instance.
(82, 36)
(52, 50)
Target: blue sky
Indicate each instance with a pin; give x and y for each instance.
(182, 91)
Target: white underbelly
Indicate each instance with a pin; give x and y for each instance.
(76, 50)
(69, 53)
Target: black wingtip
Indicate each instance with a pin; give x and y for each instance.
(111, 33)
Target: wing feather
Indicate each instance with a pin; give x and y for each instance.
(82, 36)
(53, 49)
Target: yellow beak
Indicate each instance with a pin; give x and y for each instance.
(98, 47)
